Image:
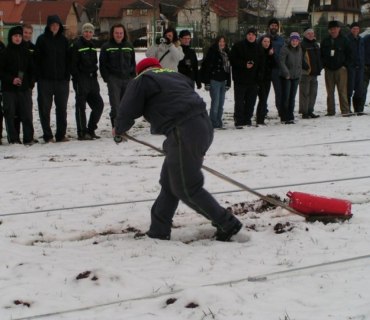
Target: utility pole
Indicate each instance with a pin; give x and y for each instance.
(205, 24)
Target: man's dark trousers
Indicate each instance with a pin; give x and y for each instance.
(87, 91)
(47, 90)
(182, 179)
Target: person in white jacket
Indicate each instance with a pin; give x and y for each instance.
(168, 51)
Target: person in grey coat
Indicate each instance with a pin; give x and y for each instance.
(290, 60)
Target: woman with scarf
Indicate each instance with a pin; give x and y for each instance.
(216, 77)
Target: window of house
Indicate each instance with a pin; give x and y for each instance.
(129, 12)
(129, 26)
(325, 2)
(143, 12)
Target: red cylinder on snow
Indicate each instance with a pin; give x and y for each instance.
(311, 204)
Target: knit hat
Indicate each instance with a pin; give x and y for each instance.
(333, 24)
(252, 30)
(13, 31)
(88, 27)
(354, 24)
(307, 31)
(295, 36)
(147, 63)
(273, 21)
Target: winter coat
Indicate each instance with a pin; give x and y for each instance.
(164, 97)
(357, 46)
(290, 62)
(169, 55)
(269, 61)
(311, 63)
(213, 66)
(277, 43)
(117, 59)
(189, 65)
(242, 52)
(52, 59)
(342, 53)
(13, 60)
(367, 49)
(84, 58)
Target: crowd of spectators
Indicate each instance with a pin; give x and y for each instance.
(253, 64)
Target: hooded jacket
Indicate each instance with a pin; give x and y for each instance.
(51, 54)
(15, 61)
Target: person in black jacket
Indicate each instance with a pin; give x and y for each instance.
(247, 70)
(264, 85)
(84, 68)
(167, 100)
(2, 47)
(336, 58)
(117, 66)
(16, 68)
(311, 69)
(53, 78)
(216, 76)
(189, 65)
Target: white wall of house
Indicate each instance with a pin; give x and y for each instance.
(346, 18)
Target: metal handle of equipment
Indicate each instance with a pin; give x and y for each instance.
(270, 200)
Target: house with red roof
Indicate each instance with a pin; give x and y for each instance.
(17, 12)
(223, 16)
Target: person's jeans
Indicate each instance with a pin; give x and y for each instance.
(289, 91)
(217, 92)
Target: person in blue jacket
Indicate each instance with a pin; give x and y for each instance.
(167, 100)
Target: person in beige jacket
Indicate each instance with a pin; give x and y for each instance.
(168, 51)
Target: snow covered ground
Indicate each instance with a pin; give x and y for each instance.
(69, 212)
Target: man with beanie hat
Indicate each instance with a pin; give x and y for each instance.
(356, 69)
(311, 68)
(16, 73)
(366, 70)
(84, 71)
(167, 100)
(336, 58)
(53, 78)
(277, 42)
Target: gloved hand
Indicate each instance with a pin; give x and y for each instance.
(207, 87)
(227, 88)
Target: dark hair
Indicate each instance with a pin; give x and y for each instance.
(184, 33)
(118, 25)
(263, 37)
(174, 32)
(273, 20)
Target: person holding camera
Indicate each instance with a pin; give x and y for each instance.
(16, 73)
(247, 65)
(189, 65)
(168, 50)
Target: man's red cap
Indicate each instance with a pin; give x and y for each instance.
(147, 63)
